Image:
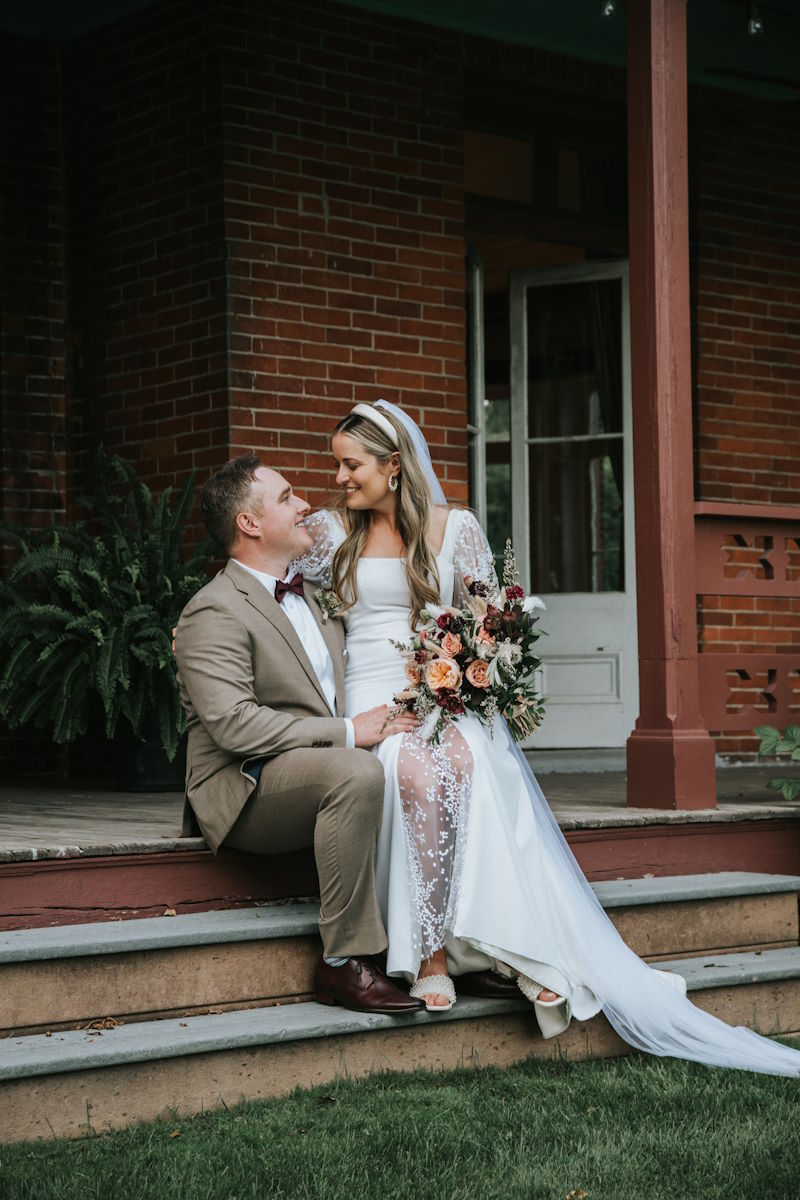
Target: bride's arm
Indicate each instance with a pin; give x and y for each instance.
(472, 558)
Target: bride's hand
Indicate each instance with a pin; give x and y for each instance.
(376, 724)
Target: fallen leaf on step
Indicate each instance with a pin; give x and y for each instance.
(759, 952)
(214, 1012)
(169, 912)
(101, 1023)
(48, 1033)
(648, 876)
(183, 1024)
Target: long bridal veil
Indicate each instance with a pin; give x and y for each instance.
(647, 1007)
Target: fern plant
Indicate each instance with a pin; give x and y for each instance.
(773, 742)
(89, 608)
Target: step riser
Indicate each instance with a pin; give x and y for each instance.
(171, 1089)
(140, 985)
(678, 929)
(75, 991)
(771, 1008)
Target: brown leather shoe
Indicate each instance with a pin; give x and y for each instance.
(361, 985)
(487, 984)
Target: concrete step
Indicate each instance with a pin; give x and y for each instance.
(71, 1083)
(170, 966)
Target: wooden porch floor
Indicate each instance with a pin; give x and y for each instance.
(41, 821)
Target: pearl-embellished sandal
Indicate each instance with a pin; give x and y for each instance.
(434, 985)
(553, 1016)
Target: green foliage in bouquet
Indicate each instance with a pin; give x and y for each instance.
(773, 742)
(88, 609)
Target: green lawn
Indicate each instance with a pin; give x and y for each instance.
(630, 1129)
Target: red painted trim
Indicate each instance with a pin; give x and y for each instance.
(71, 891)
(746, 512)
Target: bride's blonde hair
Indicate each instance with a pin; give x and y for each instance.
(414, 504)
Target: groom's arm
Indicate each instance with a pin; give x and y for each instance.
(215, 668)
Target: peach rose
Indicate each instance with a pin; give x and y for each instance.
(451, 645)
(483, 636)
(478, 673)
(413, 673)
(443, 673)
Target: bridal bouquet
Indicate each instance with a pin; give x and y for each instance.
(478, 659)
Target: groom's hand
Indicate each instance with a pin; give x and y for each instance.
(375, 724)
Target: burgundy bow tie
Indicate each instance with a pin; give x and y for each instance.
(295, 585)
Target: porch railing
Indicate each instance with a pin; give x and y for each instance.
(750, 552)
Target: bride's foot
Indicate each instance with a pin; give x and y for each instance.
(553, 1012)
(435, 965)
(548, 997)
(532, 990)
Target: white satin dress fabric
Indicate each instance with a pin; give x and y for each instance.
(514, 895)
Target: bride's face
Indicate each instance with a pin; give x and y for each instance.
(361, 476)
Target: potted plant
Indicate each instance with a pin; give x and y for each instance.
(87, 613)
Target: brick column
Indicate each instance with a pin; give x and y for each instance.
(670, 754)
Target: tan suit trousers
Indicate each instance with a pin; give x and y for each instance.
(332, 799)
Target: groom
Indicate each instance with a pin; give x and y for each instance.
(270, 767)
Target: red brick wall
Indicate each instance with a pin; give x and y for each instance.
(746, 260)
(32, 317)
(32, 301)
(344, 220)
(144, 165)
(746, 247)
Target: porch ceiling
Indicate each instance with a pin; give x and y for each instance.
(721, 54)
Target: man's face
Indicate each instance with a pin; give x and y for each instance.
(276, 516)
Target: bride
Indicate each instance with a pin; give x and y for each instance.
(474, 874)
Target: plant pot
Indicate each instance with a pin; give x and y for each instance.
(141, 764)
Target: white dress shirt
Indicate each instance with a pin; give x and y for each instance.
(311, 640)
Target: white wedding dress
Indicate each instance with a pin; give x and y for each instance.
(471, 858)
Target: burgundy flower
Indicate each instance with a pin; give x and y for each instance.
(514, 592)
(478, 588)
(450, 701)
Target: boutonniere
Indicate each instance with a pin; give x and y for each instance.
(329, 603)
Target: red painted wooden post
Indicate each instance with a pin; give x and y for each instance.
(670, 755)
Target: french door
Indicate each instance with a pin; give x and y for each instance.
(571, 493)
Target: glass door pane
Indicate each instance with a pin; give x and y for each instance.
(575, 442)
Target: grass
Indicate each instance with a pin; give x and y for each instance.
(628, 1129)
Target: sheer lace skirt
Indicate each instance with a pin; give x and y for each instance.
(434, 783)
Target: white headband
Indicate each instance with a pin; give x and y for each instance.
(366, 410)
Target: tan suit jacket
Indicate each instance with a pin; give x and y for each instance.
(249, 691)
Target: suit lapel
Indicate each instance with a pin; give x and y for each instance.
(268, 607)
(333, 643)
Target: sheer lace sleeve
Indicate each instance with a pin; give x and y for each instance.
(472, 557)
(327, 532)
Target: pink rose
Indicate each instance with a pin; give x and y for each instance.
(451, 645)
(478, 673)
(443, 673)
(413, 673)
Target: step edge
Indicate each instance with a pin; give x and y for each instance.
(68, 1051)
(308, 1021)
(300, 919)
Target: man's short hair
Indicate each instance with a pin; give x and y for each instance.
(226, 494)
